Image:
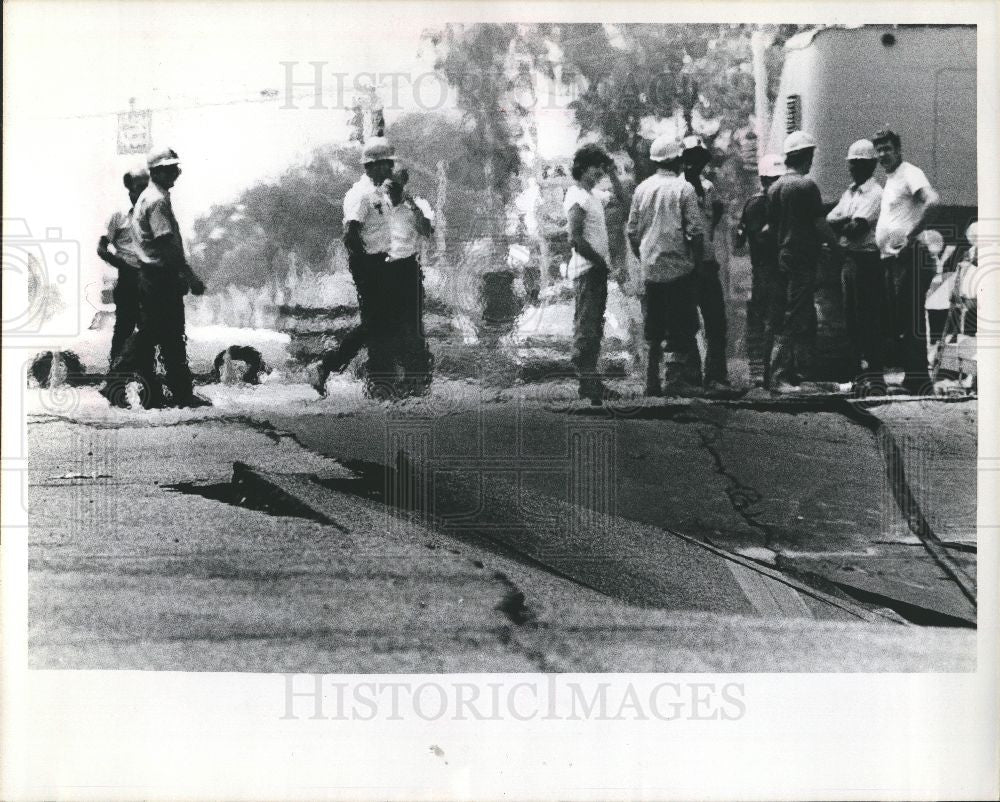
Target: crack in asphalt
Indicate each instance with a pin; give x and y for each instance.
(741, 496)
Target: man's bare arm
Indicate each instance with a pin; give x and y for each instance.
(115, 261)
(929, 200)
(352, 239)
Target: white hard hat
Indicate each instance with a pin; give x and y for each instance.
(771, 166)
(862, 149)
(162, 157)
(972, 233)
(376, 149)
(798, 140)
(665, 148)
(694, 142)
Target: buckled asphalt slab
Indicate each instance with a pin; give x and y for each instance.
(151, 563)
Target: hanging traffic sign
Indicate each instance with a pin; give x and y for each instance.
(134, 130)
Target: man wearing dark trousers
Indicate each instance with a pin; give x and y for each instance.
(754, 231)
(367, 239)
(708, 285)
(907, 204)
(164, 279)
(795, 214)
(666, 233)
(118, 250)
(863, 276)
(410, 222)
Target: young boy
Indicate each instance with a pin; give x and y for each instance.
(589, 264)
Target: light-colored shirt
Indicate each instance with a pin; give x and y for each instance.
(595, 229)
(120, 236)
(152, 218)
(900, 209)
(404, 238)
(366, 204)
(665, 216)
(863, 202)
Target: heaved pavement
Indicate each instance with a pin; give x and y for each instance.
(150, 563)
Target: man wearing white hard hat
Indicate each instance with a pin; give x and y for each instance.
(164, 279)
(666, 230)
(711, 298)
(367, 238)
(754, 231)
(907, 202)
(862, 276)
(795, 215)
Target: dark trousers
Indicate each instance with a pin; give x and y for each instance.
(161, 325)
(126, 298)
(863, 281)
(591, 290)
(908, 276)
(670, 316)
(712, 304)
(395, 325)
(362, 266)
(792, 318)
(757, 336)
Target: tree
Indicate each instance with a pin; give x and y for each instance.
(249, 242)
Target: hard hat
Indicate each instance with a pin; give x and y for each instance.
(376, 149)
(162, 157)
(771, 166)
(862, 149)
(694, 142)
(665, 148)
(798, 140)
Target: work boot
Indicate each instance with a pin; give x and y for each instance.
(782, 372)
(192, 402)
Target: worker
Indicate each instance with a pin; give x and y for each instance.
(862, 274)
(165, 277)
(754, 231)
(117, 249)
(795, 215)
(400, 283)
(666, 231)
(367, 239)
(589, 264)
(708, 285)
(908, 201)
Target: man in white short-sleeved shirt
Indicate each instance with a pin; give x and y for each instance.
(400, 286)
(117, 248)
(854, 219)
(907, 203)
(589, 264)
(367, 239)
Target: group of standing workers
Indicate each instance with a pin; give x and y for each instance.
(144, 245)
(383, 229)
(673, 215)
(672, 218)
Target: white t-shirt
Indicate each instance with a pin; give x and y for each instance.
(595, 229)
(367, 204)
(403, 234)
(900, 210)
